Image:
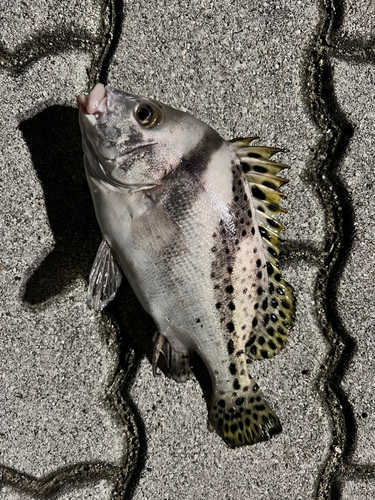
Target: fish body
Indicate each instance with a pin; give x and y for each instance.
(191, 220)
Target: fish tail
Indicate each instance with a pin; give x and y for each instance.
(245, 418)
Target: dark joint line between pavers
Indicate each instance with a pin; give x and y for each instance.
(361, 51)
(293, 251)
(359, 471)
(120, 400)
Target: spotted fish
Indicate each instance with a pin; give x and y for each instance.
(191, 220)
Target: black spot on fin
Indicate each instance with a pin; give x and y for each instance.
(261, 173)
(105, 278)
(245, 418)
(177, 362)
(276, 315)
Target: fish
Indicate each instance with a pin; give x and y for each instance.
(191, 220)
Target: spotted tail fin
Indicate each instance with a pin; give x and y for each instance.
(243, 419)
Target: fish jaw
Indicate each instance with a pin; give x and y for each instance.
(94, 103)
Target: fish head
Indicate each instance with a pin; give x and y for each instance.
(134, 142)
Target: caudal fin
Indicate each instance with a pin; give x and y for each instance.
(243, 419)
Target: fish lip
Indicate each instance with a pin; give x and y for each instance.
(94, 103)
(98, 102)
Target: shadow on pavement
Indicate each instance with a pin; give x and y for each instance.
(54, 141)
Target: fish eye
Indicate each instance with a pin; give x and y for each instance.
(146, 115)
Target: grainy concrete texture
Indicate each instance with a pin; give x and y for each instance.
(81, 416)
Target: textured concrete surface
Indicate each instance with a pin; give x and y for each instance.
(81, 415)
(355, 297)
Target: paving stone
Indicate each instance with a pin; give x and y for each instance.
(363, 489)
(99, 491)
(24, 22)
(350, 25)
(7, 493)
(354, 86)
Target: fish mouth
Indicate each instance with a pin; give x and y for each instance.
(95, 103)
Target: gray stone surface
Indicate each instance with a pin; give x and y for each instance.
(24, 22)
(78, 417)
(357, 288)
(355, 21)
(99, 490)
(358, 489)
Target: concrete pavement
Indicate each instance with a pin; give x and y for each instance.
(81, 415)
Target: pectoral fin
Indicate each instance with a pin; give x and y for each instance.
(105, 278)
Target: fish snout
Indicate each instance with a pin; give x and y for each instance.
(95, 103)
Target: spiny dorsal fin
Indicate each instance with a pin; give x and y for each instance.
(275, 316)
(261, 166)
(242, 141)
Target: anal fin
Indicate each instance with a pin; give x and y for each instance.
(105, 278)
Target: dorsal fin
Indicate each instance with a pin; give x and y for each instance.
(276, 315)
